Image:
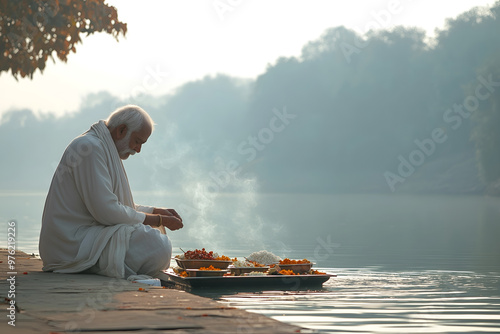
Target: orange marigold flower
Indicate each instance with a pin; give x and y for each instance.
(211, 267)
(287, 272)
(288, 261)
(315, 272)
(256, 264)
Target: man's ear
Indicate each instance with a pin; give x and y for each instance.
(121, 131)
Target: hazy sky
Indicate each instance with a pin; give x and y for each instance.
(171, 42)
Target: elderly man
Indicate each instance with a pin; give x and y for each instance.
(90, 221)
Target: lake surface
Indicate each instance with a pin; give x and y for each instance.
(405, 264)
(364, 300)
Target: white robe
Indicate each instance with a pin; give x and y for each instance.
(90, 220)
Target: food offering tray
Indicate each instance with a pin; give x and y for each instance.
(282, 282)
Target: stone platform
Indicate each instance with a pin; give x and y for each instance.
(40, 302)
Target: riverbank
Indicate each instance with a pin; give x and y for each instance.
(39, 302)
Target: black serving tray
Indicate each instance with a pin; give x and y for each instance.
(281, 282)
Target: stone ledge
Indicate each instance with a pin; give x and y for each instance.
(69, 303)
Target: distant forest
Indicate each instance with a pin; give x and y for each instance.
(389, 111)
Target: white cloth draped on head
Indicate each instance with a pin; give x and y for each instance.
(90, 215)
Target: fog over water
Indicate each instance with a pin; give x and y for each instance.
(401, 232)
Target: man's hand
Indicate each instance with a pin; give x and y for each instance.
(166, 212)
(170, 218)
(171, 222)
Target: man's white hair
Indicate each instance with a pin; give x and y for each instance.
(134, 117)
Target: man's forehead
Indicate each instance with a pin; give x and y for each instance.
(144, 133)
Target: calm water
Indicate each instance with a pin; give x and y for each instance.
(405, 264)
(364, 300)
(397, 296)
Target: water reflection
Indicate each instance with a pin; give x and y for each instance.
(365, 301)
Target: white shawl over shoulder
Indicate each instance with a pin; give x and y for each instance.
(89, 212)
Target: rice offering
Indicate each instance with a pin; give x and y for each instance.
(264, 257)
(256, 273)
(242, 264)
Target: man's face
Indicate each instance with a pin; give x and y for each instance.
(132, 142)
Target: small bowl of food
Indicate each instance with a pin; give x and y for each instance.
(195, 264)
(238, 271)
(206, 272)
(202, 258)
(297, 266)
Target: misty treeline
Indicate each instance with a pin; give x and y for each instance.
(390, 111)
